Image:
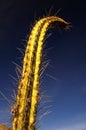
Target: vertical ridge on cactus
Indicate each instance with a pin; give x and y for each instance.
(28, 90)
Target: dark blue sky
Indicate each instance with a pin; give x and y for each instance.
(65, 78)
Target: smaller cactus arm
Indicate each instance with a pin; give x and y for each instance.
(35, 92)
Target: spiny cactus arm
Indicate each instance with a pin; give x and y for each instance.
(33, 110)
(28, 89)
(23, 100)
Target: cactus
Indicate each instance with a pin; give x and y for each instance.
(27, 99)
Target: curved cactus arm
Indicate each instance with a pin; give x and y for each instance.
(35, 92)
(28, 89)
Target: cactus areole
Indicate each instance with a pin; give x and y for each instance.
(25, 111)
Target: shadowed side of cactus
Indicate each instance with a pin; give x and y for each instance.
(25, 109)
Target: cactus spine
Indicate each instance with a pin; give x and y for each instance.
(29, 85)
